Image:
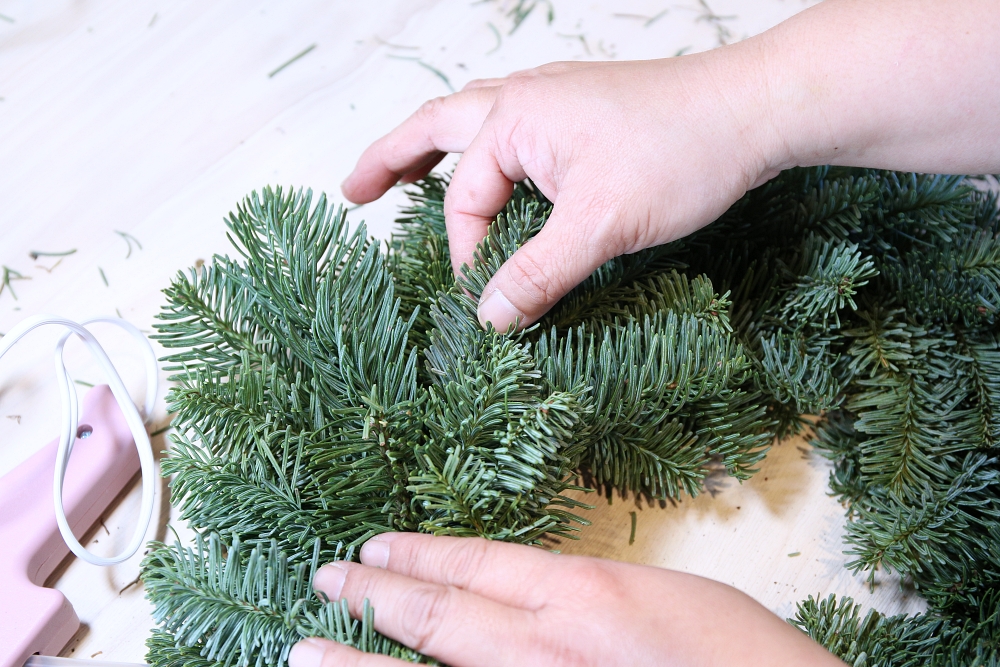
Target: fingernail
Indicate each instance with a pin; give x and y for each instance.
(497, 310)
(375, 553)
(307, 653)
(330, 580)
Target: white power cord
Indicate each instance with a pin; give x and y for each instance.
(70, 420)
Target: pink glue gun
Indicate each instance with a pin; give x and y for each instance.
(34, 619)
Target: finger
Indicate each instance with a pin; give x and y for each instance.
(448, 623)
(550, 68)
(485, 83)
(316, 652)
(479, 189)
(542, 271)
(553, 68)
(512, 574)
(416, 175)
(442, 125)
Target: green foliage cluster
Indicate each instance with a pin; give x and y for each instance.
(327, 389)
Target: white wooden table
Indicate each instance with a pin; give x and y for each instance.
(155, 118)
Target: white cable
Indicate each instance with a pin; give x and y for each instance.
(70, 420)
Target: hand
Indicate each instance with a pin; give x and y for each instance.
(631, 154)
(469, 602)
(635, 154)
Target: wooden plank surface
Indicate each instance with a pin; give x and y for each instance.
(154, 119)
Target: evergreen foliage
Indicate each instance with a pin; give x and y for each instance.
(327, 389)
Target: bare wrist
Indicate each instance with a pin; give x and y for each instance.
(743, 73)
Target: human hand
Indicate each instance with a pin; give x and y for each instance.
(635, 154)
(469, 602)
(632, 155)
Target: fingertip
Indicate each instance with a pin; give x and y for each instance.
(496, 309)
(307, 653)
(347, 188)
(539, 274)
(330, 579)
(375, 552)
(360, 188)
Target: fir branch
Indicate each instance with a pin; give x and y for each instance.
(735, 426)
(243, 607)
(795, 376)
(895, 411)
(829, 279)
(904, 536)
(875, 640)
(326, 390)
(836, 439)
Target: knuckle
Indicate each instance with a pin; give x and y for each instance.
(550, 69)
(523, 74)
(560, 648)
(619, 236)
(533, 277)
(457, 200)
(466, 559)
(431, 109)
(424, 609)
(562, 654)
(594, 581)
(516, 90)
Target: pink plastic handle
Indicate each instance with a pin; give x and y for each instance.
(34, 619)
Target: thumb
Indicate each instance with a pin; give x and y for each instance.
(540, 273)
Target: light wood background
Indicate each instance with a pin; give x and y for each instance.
(155, 118)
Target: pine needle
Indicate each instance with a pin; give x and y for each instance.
(293, 59)
(35, 254)
(438, 73)
(9, 276)
(580, 38)
(129, 240)
(496, 34)
(646, 20)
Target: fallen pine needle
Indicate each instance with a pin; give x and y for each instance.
(129, 239)
(9, 276)
(35, 254)
(293, 59)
